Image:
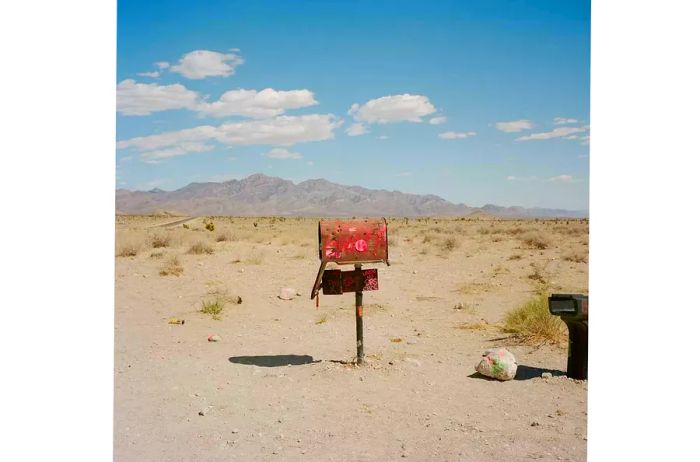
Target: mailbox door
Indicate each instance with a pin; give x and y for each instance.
(353, 241)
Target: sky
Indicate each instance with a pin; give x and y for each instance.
(475, 101)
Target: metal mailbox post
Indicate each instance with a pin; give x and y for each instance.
(573, 310)
(351, 242)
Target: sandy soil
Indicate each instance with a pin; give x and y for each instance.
(274, 387)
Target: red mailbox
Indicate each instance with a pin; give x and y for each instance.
(351, 242)
(356, 241)
(347, 242)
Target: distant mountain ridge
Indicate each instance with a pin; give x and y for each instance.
(262, 195)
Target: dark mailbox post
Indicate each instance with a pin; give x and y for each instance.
(573, 310)
(351, 242)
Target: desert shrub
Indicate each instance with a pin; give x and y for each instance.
(158, 254)
(224, 236)
(172, 267)
(516, 256)
(160, 240)
(322, 319)
(208, 225)
(536, 240)
(200, 248)
(213, 307)
(537, 275)
(576, 257)
(532, 323)
(128, 250)
(450, 244)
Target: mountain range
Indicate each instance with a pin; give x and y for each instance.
(261, 195)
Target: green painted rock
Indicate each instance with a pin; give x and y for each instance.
(498, 363)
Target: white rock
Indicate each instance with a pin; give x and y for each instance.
(498, 363)
(287, 293)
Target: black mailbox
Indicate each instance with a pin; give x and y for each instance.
(573, 310)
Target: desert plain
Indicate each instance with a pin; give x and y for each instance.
(281, 384)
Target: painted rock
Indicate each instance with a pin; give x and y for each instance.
(498, 363)
(287, 293)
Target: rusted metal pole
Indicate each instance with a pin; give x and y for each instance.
(358, 312)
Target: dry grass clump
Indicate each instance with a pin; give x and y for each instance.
(474, 288)
(536, 240)
(160, 240)
(532, 323)
(200, 248)
(172, 267)
(128, 249)
(224, 236)
(576, 256)
(213, 307)
(450, 244)
(158, 254)
(515, 256)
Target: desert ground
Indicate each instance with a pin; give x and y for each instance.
(281, 383)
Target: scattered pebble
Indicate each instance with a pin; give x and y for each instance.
(546, 375)
(459, 306)
(287, 293)
(214, 338)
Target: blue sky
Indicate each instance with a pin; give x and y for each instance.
(475, 101)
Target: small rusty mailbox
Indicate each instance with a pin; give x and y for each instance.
(351, 242)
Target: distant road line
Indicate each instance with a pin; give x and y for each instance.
(173, 223)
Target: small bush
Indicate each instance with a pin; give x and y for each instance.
(200, 248)
(208, 224)
(172, 267)
(536, 240)
(156, 254)
(224, 236)
(576, 257)
(160, 241)
(450, 244)
(532, 323)
(322, 319)
(128, 250)
(213, 307)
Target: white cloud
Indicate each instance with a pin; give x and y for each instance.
(162, 65)
(405, 174)
(514, 126)
(279, 131)
(153, 74)
(585, 140)
(438, 120)
(310, 163)
(281, 153)
(145, 98)
(155, 156)
(562, 179)
(383, 137)
(559, 132)
(257, 104)
(356, 129)
(564, 121)
(199, 64)
(395, 108)
(455, 135)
